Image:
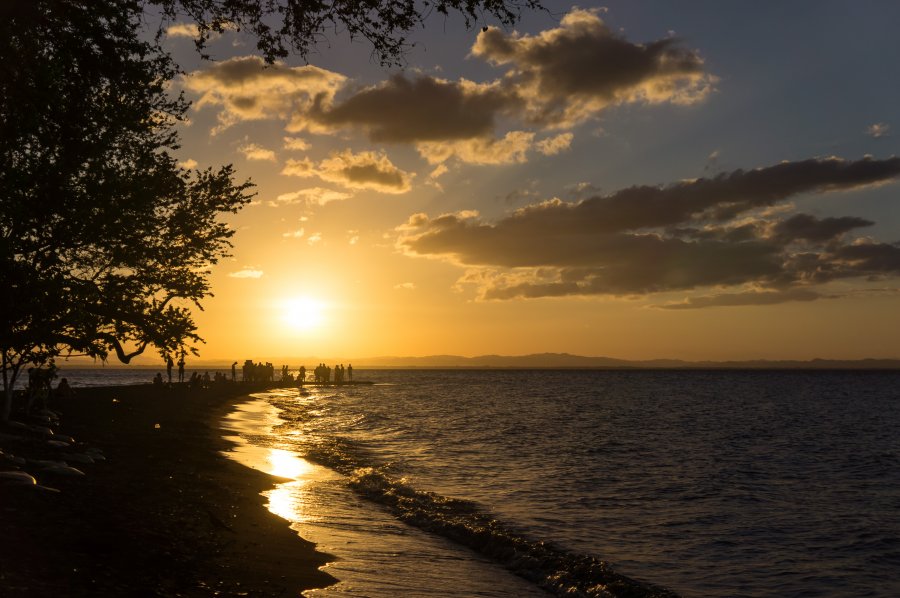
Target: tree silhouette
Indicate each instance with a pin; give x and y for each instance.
(104, 240)
(282, 26)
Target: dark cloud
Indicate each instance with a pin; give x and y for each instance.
(420, 108)
(747, 298)
(572, 72)
(810, 228)
(655, 239)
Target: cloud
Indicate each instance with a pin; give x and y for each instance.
(745, 298)
(183, 30)
(189, 164)
(294, 234)
(512, 148)
(252, 151)
(246, 273)
(304, 167)
(555, 79)
(314, 239)
(717, 232)
(809, 228)
(295, 143)
(554, 145)
(311, 196)
(569, 74)
(405, 286)
(420, 108)
(244, 88)
(878, 130)
(364, 170)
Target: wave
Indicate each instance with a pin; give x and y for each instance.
(553, 569)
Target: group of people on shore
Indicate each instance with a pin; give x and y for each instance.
(322, 374)
(258, 372)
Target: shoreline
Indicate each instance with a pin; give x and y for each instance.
(166, 514)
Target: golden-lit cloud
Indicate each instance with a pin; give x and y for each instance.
(405, 286)
(246, 273)
(183, 30)
(716, 232)
(294, 234)
(295, 143)
(244, 88)
(511, 148)
(318, 196)
(555, 79)
(253, 151)
(878, 130)
(189, 164)
(571, 73)
(363, 170)
(554, 145)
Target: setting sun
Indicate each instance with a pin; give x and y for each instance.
(303, 313)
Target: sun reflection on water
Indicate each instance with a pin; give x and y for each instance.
(286, 464)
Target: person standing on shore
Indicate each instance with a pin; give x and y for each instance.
(181, 368)
(169, 365)
(350, 372)
(234, 372)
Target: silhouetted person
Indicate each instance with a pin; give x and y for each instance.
(157, 379)
(234, 372)
(63, 390)
(350, 372)
(301, 376)
(181, 369)
(169, 365)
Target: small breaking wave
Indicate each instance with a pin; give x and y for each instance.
(555, 570)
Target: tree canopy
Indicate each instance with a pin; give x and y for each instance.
(104, 240)
(284, 26)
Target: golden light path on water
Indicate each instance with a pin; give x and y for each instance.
(290, 500)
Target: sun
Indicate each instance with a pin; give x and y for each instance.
(303, 313)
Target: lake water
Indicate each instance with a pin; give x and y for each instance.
(708, 483)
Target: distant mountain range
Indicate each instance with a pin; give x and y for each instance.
(566, 360)
(540, 360)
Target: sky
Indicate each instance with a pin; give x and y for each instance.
(700, 180)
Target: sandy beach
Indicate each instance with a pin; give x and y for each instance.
(166, 514)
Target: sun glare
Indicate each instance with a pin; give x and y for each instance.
(303, 313)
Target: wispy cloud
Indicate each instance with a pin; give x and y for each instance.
(246, 273)
(183, 30)
(312, 196)
(295, 143)
(878, 130)
(363, 170)
(255, 152)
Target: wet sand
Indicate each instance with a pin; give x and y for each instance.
(165, 515)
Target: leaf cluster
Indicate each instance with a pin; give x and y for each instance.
(284, 26)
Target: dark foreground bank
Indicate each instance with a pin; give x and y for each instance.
(165, 515)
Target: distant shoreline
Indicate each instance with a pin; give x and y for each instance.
(811, 365)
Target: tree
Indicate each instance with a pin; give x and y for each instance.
(282, 26)
(105, 241)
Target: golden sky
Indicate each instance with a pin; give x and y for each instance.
(637, 180)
